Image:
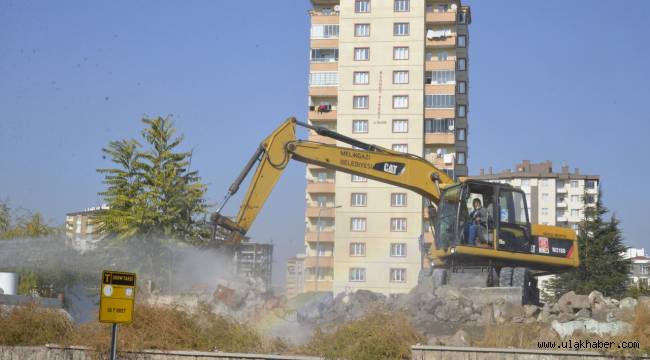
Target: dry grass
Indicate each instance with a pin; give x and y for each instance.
(154, 327)
(377, 336)
(31, 325)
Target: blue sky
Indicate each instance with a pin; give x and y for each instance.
(555, 80)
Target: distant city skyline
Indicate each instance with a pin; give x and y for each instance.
(556, 80)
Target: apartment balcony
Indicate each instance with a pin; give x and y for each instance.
(440, 65)
(441, 162)
(561, 204)
(440, 113)
(561, 218)
(331, 43)
(322, 139)
(447, 138)
(323, 66)
(323, 261)
(324, 16)
(326, 236)
(592, 190)
(320, 187)
(316, 211)
(315, 115)
(449, 41)
(323, 285)
(433, 89)
(561, 190)
(448, 17)
(330, 91)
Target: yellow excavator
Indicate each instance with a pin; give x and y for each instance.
(499, 249)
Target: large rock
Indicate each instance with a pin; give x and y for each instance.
(628, 304)
(460, 338)
(572, 302)
(592, 327)
(596, 297)
(506, 311)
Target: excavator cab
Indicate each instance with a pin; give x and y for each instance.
(503, 222)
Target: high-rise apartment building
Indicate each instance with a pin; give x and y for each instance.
(554, 198)
(392, 73)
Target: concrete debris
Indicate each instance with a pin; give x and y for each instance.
(445, 315)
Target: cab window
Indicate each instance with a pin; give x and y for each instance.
(448, 212)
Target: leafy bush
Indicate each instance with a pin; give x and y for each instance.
(31, 325)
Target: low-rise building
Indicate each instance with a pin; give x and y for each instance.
(255, 260)
(80, 229)
(640, 269)
(295, 275)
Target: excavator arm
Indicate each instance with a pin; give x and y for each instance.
(373, 162)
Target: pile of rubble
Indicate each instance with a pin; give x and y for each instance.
(447, 310)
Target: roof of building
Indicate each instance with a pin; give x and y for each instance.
(526, 169)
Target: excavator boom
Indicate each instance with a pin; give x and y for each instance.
(370, 161)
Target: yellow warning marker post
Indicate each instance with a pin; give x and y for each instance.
(116, 302)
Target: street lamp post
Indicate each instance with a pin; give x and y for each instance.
(318, 245)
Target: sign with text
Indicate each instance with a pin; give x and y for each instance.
(116, 297)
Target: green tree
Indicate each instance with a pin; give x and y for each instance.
(151, 193)
(5, 218)
(25, 225)
(602, 267)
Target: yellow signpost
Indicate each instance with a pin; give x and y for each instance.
(116, 300)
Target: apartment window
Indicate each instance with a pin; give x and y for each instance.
(461, 64)
(544, 196)
(574, 226)
(324, 79)
(644, 269)
(461, 41)
(590, 199)
(361, 30)
(324, 55)
(321, 201)
(561, 213)
(400, 29)
(438, 125)
(440, 77)
(545, 211)
(359, 126)
(525, 182)
(398, 199)
(357, 249)
(400, 77)
(325, 31)
(401, 5)
(400, 126)
(442, 7)
(461, 111)
(439, 101)
(443, 56)
(361, 54)
(575, 198)
(400, 53)
(461, 87)
(362, 6)
(575, 212)
(358, 224)
(461, 134)
(400, 101)
(590, 184)
(360, 102)
(361, 78)
(358, 199)
(397, 275)
(398, 224)
(575, 184)
(357, 178)
(357, 274)
(462, 17)
(460, 158)
(403, 148)
(398, 249)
